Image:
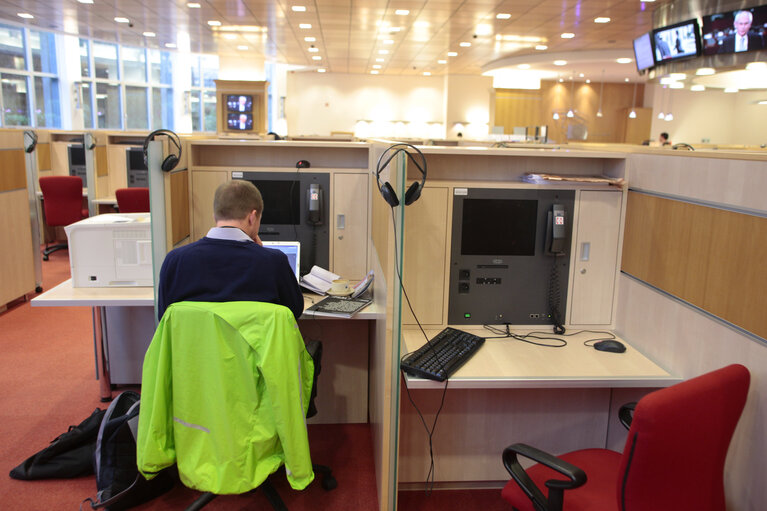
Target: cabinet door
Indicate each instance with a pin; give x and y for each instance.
(596, 257)
(425, 274)
(204, 184)
(350, 225)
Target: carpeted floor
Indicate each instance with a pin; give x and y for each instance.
(47, 377)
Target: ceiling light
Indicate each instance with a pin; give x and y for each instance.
(502, 16)
(316, 57)
(383, 52)
(647, 1)
(379, 59)
(465, 45)
(374, 72)
(321, 70)
(632, 114)
(705, 71)
(214, 23)
(426, 73)
(442, 61)
(560, 62)
(313, 49)
(697, 88)
(555, 116)
(298, 8)
(376, 66)
(394, 29)
(567, 35)
(669, 117)
(452, 54)
(28, 16)
(389, 41)
(305, 26)
(623, 60)
(483, 29)
(85, 1)
(118, 19)
(588, 81)
(310, 39)
(561, 80)
(762, 102)
(602, 19)
(676, 85)
(230, 36)
(401, 12)
(730, 90)
(170, 45)
(626, 80)
(149, 34)
(665, 80)
(570, 114)
(756, 66)
(541, 47)
(677, 76)
(524, 66)
(193, 5)
(242, 47)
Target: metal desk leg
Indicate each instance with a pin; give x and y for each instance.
(102, 361)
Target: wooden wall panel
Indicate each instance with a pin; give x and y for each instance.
(179, 205)
(12, 170)
(706, 256)
(17, 259)
(43, 156)
(102, 167)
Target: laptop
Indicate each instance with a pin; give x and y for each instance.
(292, 249)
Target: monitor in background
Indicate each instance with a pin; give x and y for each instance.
(677, 41)
(76, 153)
(643, 54)
(292, 249)
(242, 122)
(721, 31)
(138, 175)
(239, 102)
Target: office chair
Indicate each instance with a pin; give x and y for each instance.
(132, 200)
(225, 392)
(62, 203)
(673, 458)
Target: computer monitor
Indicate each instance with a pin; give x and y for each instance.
(292, 249)
(239, 102)
(138, 175)
(76, 154)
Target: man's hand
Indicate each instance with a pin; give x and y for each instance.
(258, 240)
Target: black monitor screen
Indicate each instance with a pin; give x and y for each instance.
(643, 52)
(282, 201)
(242, 122)
(136, 159)
(676, 42)
(77, 155)
(239, 102)
(498, 227)
(735, 31)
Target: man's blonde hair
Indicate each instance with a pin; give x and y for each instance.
(234, 200)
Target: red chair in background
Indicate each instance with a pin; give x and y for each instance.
(673, 458)
(62, 203)
(132, 200)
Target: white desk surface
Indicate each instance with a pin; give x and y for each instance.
(509, 363)
(109, 200)
(64, 295)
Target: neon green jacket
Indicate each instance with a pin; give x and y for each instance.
(225, 389)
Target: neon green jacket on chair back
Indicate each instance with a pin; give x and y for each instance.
(225, 389)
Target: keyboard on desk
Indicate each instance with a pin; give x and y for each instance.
(442, 355)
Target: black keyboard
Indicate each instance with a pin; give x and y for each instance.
(442, 355)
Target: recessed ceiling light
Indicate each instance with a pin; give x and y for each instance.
(465, 44)
(677, 76)
(170, 45)
(560, 62)
(377, 66)
(298, 8)
(85, 1)
(602, 19)
(310, 39)
(483, 29)
(706, 71)
(625, 79)
(389, 41)
(401, 12)
(242, 47)
(321, 70)
(697, 88)
(541, 47)
(756, 66)
(305, 26)
(120, 19)
(214, 23)
(193, 5)
(623, 60)
(313, 50)
(149, 34)
(316, 57)
(676, 85)
(567, 35)
(762, 102)
(502, 16)
(230, 36)
(374, 72)
(426, 73)
(730, 90)
(383, 52)
(28, 16)
(561, 80)
(588, 81)
(647, 1)
(379, 59)
(452, 54)
(442, 61)
(394, 29)
(524, 66)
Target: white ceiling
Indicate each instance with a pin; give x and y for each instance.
(350, 35)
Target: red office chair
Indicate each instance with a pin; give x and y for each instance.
(673, 458)
(63, 204)
(132, 200)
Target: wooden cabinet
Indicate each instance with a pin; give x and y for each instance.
(204, 183)
(595, 261)
(349, 215)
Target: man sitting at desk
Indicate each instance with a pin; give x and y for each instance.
(230, 263)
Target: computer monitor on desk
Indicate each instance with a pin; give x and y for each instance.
(138, 175)
(76, 153)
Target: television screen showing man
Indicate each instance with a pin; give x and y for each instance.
(735, 31)
(743, 38)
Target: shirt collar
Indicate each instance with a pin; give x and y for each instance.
(228, 233)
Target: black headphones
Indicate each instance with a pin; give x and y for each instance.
(170, 161)
(414, 190)
(32, 136)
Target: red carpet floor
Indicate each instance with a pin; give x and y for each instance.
(47, 377)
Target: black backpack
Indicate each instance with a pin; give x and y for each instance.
(68, 455)
(119, 483)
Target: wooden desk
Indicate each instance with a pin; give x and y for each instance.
(558, 399)
(124, 323)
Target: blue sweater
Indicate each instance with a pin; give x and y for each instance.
(215, 270)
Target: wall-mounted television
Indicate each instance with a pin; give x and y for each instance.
(241, 122)
(735, 31)
(239, 102)
(677, 41)
(643, 52)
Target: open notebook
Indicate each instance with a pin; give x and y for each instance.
(292, 249)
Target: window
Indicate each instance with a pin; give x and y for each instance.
(202, 97)
(15, 100)
(136, 108)
(108, 106)
(47, 107)
(105, 61)
(12, 49)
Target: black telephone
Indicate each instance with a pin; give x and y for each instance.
(556, 231)
(314, 199)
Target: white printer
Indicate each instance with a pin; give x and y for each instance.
(112, 250)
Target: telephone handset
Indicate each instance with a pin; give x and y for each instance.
(314, 199)
(556, 231)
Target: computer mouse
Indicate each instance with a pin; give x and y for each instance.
(610, 345)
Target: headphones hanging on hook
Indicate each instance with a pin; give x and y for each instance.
(30, 141)
(170, 161)
(414, 190)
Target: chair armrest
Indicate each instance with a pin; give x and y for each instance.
(576, 476)
(626, 414)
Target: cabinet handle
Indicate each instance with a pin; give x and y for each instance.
(340, 222)
(585, 251)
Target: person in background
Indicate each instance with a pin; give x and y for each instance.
(743, 39)
(663, 139)
(230, 263)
